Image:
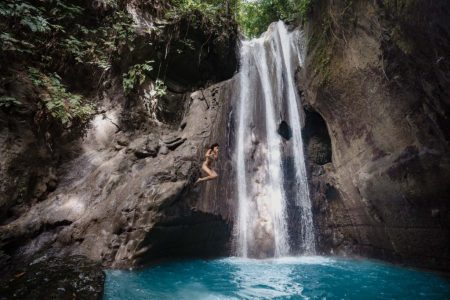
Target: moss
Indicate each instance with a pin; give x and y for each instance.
(322, 46)
(337, 20)
(321, 62)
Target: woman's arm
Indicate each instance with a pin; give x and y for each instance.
(208, 153)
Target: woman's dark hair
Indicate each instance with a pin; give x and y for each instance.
(214, 145)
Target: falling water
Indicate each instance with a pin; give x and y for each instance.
(303, 199)
(266, 90)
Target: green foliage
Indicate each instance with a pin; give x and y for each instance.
(214, 17)
(136, 76)
(255, 16)
(160, 88)
(187, 6)
(95, 46)
(55, 32)
(61, 104)
(52, 35)
(35, 76)
(24, 23)
(9, 43)
(209, 8)
(26, 14)
(303, 7)
(9, 102)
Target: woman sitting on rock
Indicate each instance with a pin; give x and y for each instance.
(211, 155)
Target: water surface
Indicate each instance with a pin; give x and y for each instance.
(284, 278)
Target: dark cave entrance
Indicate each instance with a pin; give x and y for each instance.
(316, 139)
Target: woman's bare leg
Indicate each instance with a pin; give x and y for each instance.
(211, 174)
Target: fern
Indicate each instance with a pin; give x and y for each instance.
(9, 102)
(61, 104)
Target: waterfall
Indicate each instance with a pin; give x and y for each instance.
(266, 96)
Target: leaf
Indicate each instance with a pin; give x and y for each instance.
(7, 101)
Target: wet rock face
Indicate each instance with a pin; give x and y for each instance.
(123, 194)
(27, 168)
(127, 198)
(53, 278)
(385, 191)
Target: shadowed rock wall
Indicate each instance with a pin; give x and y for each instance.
(123, 194)
(377, 73)
(128, 198)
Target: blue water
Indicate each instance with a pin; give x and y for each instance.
(285, 278)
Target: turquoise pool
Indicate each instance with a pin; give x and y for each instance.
(284, 278)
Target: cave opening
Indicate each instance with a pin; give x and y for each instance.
(316, 138)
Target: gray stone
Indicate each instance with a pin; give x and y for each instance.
(163, 150)
(172, 146)
(107, 198)
(153, 147)
(171, 138)
(122, 141)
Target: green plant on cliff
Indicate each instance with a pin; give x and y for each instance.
(8, 102)
(55, 31)
(26, 15)
(213, 17)
(152, 97)
(210, 8)
(62, 105)
(136, 76)
(255, 16)
(160, 88)
(55, 37)
(187, 6)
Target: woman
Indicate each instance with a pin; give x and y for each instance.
(211, 155)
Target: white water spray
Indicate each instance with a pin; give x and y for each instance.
(266, 89)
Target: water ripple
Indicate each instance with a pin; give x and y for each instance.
(311, 277)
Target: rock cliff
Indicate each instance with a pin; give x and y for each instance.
(128, 197)
(375, 89)
(120, 193)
